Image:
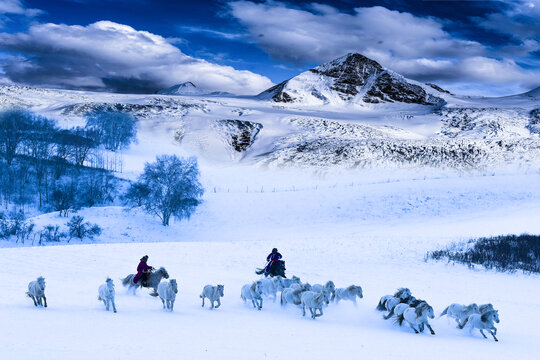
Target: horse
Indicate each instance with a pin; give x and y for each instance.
(153, 281)
(349, 293)
(484, 308)
(288, 282)
(329, 287)
(460, 312)
(314, 301)
(269, 287)
(388, 302)
(483, 322)
(276, 269)
(36, 291)
(167, 291)
(290, 295)
(417, 317)
(252, 292)
(300, 286)
(106, 294)
(213, 293)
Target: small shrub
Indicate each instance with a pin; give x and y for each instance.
(51, 233)
(81, 230)
(504, 253)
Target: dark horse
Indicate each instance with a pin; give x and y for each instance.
(152, 282)
(277, 268)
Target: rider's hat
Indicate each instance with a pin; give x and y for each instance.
(274, 250)
(144, 258)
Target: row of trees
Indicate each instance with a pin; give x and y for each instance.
(44, 165)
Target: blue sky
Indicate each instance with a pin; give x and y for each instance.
(469, 47)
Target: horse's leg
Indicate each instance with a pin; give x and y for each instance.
(172, 305)
(106, 304)
(113, 305)
(389, 315)
(44, 301)
(261, 302)
(34, 300)
(493, 334)
(320, 310)
(163, 301)
(253, 301)
(203, 300)
(40, 303)
(354, 302)
(430, 329)
(482, 332)
(218, 303)
(303, 309)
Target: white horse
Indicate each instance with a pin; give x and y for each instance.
(483, 322)
(300, 286)
(167, 291)
(417, 317)
(288, 282)
(314, 301)
(36, 291)
(484, 308)
(400, 308)
(349, 293)
(106, 294)
(329, 287)
(460, 312)
(252, 292)
(269, 287)
(213, 293)
(291, 296)
(388, 302)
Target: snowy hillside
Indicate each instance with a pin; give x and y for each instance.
(465, 133)
(187, 88)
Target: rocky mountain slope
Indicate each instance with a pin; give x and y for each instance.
(353, 78)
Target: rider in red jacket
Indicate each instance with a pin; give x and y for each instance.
(142, 271)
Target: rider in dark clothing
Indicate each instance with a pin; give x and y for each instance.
(273, 259)
(143, 270)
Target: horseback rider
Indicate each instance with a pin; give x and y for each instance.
(143, 271)
(273, 259)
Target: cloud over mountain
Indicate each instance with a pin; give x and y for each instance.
(417, 47)
(111, 56)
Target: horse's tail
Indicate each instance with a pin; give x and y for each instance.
(99, 298)
(381, 306)
(126, 280)
(399, 319)
(259, 271)
(297, 302)
(445, 311)
(28, 294)
(464, 323)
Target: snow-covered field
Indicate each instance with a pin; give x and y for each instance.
(371, 234)
(370, 227)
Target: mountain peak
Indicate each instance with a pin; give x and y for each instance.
(185, 88)
(351, 78)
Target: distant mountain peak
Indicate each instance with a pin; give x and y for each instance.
(351, 78)
(185, 88)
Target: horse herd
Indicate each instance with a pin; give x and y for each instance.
(402, 306)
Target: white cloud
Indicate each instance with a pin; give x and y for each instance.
(114, 56)
(17, 7)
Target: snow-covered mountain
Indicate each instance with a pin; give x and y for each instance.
(353, 78)
(462, 132)
(186, 88)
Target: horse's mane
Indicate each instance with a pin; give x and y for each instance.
(40, 279)
(486, 315)
(400, 291)
(420, 308)
(351, 288)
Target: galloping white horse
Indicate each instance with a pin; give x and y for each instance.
(106, 294)
(213, 293)
(483, 322)
(167, 291)
(460, 312)
(252, 292)
(349, 293)
(329, 287)
(314, 301)
(417, 317)
(36, 291)
(291, 296)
